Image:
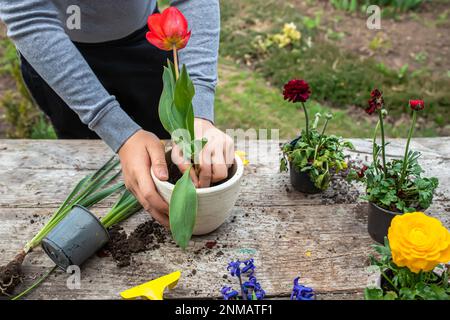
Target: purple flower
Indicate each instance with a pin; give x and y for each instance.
(300, 292)
(235, 268)
(249, 267)
(251, 287)
(228, 293)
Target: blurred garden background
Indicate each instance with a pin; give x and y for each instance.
(325, 42)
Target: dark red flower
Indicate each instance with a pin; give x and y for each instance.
(376, 101)
(296, 91)
(168, 30)
(417, 105)
(362, 171)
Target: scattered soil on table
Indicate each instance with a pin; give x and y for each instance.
(11, 275)
(340, 191)
(146, 237)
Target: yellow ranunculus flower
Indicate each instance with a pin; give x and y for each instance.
(418, 242)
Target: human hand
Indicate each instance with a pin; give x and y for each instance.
(215, 158)
(140, 152)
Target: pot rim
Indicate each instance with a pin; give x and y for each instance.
(221, 187)
(393, 213)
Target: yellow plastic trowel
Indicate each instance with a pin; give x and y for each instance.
(153, 290)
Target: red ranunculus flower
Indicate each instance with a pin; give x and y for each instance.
(376, 101)
(362, 171)
(417, 105)
(168, 30)
(296, 91)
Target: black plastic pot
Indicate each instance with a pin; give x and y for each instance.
(75, 239)
(301, 180)
(378, 223)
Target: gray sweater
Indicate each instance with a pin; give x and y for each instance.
(41, 34)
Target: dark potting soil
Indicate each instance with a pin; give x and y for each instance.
(175, 174)
(11, 275)
(146, 237)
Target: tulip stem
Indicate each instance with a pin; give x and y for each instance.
(175, 62)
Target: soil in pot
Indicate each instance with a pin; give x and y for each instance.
(148, 236)
(175, 174)
(11, 275)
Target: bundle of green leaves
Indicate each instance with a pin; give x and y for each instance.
(395, 185)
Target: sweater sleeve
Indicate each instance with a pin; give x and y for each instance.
(201, 54)
(39, 36)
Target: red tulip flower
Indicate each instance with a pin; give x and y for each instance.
(168, 30)
(417, 105)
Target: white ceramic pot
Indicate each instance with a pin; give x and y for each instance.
(214, 203)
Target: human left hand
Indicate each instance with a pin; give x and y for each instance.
(215, 158)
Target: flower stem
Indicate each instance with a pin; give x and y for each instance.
(383, 144)
(389, 280)
(307, 122)
(375, 160)
(175, 62)
(244, 296)
(405, 158)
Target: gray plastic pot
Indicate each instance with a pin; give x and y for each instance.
(75, 239)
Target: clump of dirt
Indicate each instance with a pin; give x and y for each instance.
(146, 237)
(11, 275)
(340, 191)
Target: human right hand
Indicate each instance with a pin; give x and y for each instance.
(140, 153)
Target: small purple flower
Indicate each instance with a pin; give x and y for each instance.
(251, 287)
(249, 267)
(228, 293)
(300, 292)
(235, 268)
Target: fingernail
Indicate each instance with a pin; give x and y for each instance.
(162, 174)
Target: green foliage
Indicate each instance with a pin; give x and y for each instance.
(21, 113)
(399, 283)
(125, 207)
(320, 156)
(340, 79)
(414, 194)
(393, 6)
(177, 116)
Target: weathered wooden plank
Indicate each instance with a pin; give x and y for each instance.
(327, 245)
(46, 188)
(84, 155)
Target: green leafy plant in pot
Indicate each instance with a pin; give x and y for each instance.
(191, 211)
(313, 157)
(397, 186)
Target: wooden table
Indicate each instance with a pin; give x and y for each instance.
(288, 233)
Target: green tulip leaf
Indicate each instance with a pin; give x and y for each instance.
(183, 210)
(170, 118)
